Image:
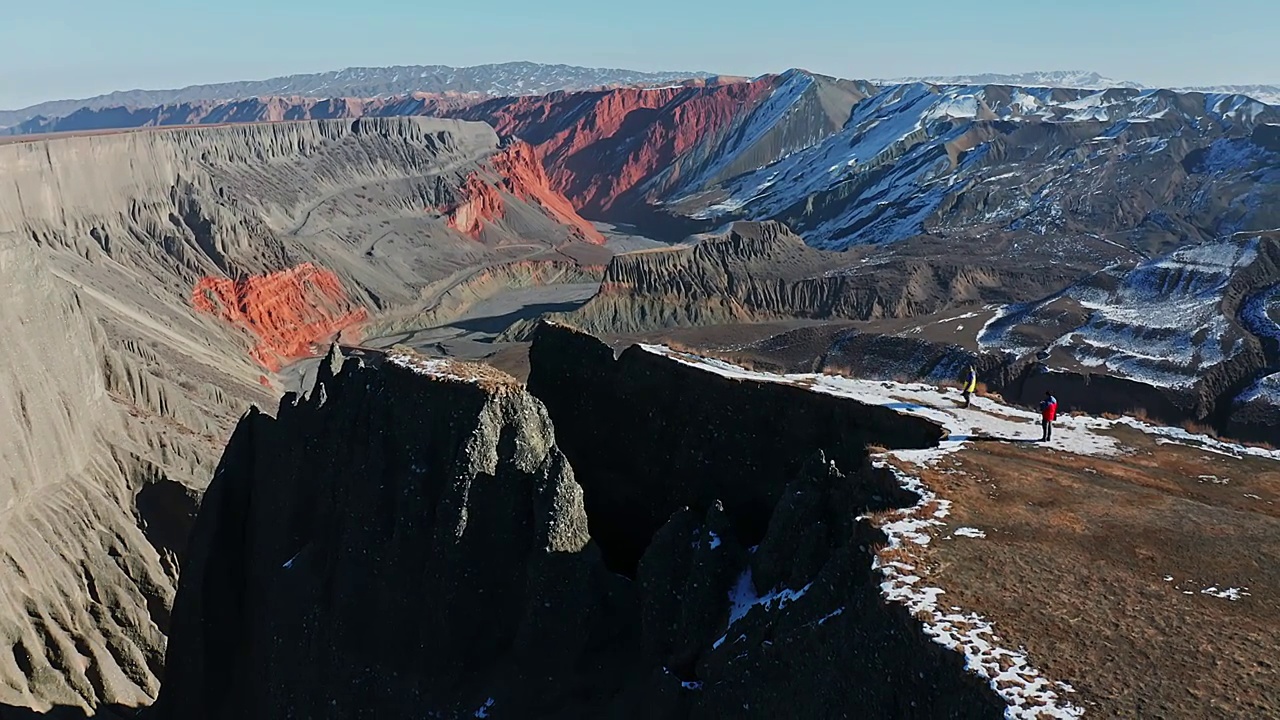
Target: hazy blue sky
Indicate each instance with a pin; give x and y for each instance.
(54, 49)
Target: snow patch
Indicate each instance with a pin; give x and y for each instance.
(743, 597)
(1009, 673)
(1226, 594)
(969, 532)
(439, 368)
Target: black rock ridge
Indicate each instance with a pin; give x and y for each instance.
(424, 539)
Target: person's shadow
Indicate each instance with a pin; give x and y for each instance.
(998, 438)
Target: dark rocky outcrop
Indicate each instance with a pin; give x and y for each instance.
(736, 441)
(415, 544)
(389, 547)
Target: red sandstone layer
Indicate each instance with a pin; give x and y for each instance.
(288, 312)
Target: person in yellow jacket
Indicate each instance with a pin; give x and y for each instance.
(970, 385)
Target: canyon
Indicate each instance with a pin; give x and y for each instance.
(510, 368)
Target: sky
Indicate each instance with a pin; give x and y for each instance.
(59, 49)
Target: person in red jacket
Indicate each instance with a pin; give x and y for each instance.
(1048, 413)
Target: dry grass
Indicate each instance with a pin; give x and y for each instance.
(843, 371)
(1074, 564)
(1196, 428)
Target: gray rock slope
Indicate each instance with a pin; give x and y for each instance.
(118, 395)
(134, 221)
(85, 579)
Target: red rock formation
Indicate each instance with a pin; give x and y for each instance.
(288, 312)
(480, 204)
(518, 173)
(599, 146)
(523, 176)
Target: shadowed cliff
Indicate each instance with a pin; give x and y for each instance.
(409, 540)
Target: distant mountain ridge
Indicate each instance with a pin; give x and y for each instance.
(1074, 79)
(1086, 80)
(502, 79)
(451, 85)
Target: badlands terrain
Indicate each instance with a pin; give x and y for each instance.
(355, 394)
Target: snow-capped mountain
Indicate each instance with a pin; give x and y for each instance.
(1085, 80)
(1044, 161)
(1074, 79)
(1269, 94)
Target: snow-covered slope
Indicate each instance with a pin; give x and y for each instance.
(1039, 160)
(800, 112)
(1160, 322)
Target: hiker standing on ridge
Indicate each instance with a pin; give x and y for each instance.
(970, 385)
(1048, 413)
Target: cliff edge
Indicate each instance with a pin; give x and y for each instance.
(410, 540)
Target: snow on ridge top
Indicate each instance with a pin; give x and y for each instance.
(480, 374)
(985, 418)
(1070, 79)
(1028, 693)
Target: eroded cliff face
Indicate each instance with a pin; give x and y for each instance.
(394, 545)
(597, 147)
(601, 407)
(411, 540)
(762, 271)
(213, 255)
(287, 312)
(515, 171)
(85, 580)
